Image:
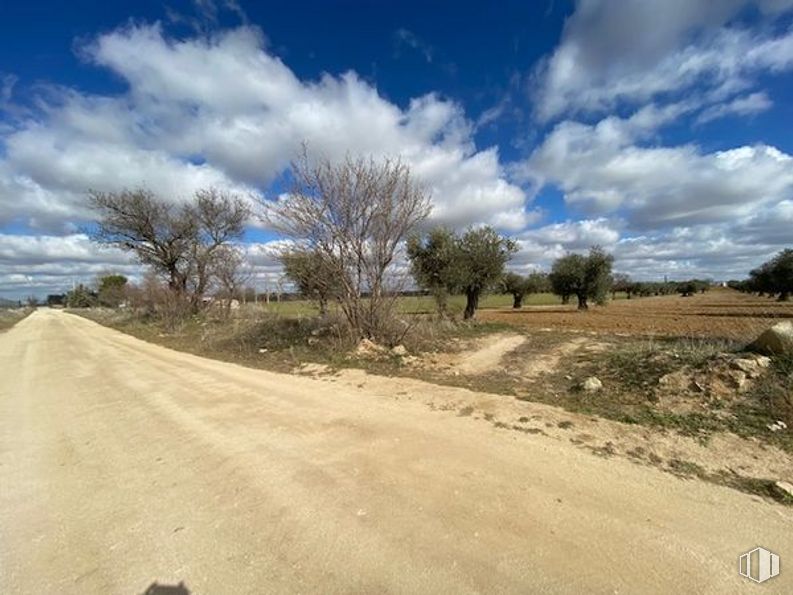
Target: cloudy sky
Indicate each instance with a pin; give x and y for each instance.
(660, 130)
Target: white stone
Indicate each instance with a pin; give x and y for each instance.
(776, 340)
(785, 486)
(592, 384)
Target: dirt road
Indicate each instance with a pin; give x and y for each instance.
(123, 463)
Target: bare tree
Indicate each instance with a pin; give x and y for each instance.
(355, 214)
(220, 219)
(230, 274)
(158, 233)
(177, 241)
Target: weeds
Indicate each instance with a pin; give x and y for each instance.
(640, 365)
(765, 488)
(9, 317)
(686, 468)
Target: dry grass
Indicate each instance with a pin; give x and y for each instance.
(259, 338)
(10, 316)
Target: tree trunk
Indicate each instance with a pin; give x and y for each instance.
(784, 296)
(565, 299)
(471, 304)
(517, 301)
(582, 305)
(441, 298)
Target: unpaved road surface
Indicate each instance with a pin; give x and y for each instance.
(487, 357)
(123, 463)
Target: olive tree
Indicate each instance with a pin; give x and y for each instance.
(538, 283)
(586, 277)
(782, 274)
(311, 275)
(515, 285)
(482, 255)
(519, 286)
(434, 264)
(111, 290)
(356, 214)
(687, 288)
(774, 276)
(471, 263)
(622, 282)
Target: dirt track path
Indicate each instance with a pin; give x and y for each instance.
(488, 356)
(123, 463)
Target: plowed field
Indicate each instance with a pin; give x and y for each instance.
(718, 313)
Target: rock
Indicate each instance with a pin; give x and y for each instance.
(263, 350)
(737, 379)
(368, 348)
(776, 340)
(777, 426)
(751, 367)
(312, 369)
(762, 361)
(785, 487)
(675, 381)
(591, 384)
(399, 350)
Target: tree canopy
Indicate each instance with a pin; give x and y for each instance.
(314, 278)
(471, 263)
(519, 286)
(434, 263)
(774, 276)
(111, 289)
(178, 240)
(586, 277)
(354, 215)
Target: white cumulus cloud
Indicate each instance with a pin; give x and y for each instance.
(220, 110)
(635, 52)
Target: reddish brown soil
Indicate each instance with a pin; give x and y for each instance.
(718, 313)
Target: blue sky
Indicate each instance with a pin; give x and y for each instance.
(660, 130)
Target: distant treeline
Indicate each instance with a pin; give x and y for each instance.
(773, 278)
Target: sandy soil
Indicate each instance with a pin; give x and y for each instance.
(723, 453)
(122, 463)
(486, 355)
(549, 362)
(720, 313)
